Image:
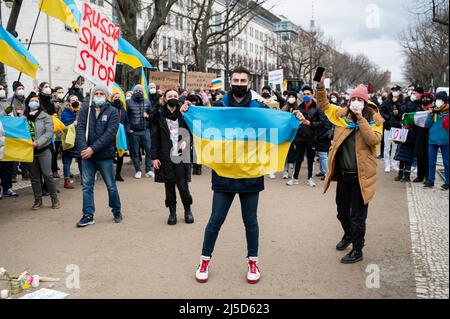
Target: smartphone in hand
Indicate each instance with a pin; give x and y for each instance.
(319, 73)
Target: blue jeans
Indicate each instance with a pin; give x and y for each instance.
(106, 169)
(323, 161)
(220, 207)
(67, 162)
(432, 153)
(139, 139)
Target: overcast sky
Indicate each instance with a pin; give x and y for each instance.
(356, 26)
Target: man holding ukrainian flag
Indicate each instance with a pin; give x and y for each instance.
(229, 179)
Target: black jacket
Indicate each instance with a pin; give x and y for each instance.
(102, 131)
(123, 116)
(162, 146)
(47, 104)
(310, 134)
(390, 119)
(135, 110)
(405, 151)
(241, 185)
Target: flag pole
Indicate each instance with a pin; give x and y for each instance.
(29, 44)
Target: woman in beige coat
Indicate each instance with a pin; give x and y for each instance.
(352, 163)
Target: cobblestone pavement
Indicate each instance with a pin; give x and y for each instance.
(429, 222)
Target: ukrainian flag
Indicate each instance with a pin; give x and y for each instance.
(217, 84)
(63, 10)
(15, 140)
(144, 84)
(129, 55)
(14, 54)
(118, 89)
(241, 142)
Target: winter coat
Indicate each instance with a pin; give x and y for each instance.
(438, 134)
(47, 104)
(310, 134)
(162, 146)
(366, 139)
(102, 131)
(240, 185)
(68, 117)
(135, 110)
(405, 151)
(43, 126)
(390, 119)
(18, 104)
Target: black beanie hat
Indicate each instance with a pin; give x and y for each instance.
(30, 96)
(16, 84)
(419, 90)
(442, 96)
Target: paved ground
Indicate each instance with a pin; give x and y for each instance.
(145, 258)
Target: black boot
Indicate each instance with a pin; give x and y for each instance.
(188, 217)
(344, 243)
(199, 170)
(400, 176)
(406, 177)
(172, 215)
(352, 257)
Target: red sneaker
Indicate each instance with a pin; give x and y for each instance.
(253, 274)
(202, 272)
(67, 184)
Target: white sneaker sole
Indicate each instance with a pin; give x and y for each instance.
(87, 224)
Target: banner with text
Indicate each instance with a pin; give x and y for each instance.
(97, 47)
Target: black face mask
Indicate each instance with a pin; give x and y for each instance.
(117, 103)
(239, 91)
(173, 103)
(75, 104)
(266, 95)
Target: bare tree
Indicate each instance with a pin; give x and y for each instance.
(427, 54)
(211, 28)
(128, 12)
(437, 10)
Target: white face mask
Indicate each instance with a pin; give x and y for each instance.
(2, 94)
(413, 98)
(395, 94)
(152, 91)
(334, 100)
(47, 91)
(20, 93)
(439, 103)
(292, 100)
(60, 96)
(356, 105)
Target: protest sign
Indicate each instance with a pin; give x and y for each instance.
(97, 47)
(198, 80)
(165, 80)
(276, 79)
(398, 134)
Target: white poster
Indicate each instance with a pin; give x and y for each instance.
(276, 79)
(97, 47)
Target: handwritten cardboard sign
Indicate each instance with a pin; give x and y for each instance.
(97, 47)
(198, 80)
(165, 80)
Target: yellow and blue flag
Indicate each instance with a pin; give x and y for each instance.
(63, 10)
(14, 54)
(217, 84)
(144, 83)
(121, 140)
(118, 89)
(15, 140)
(241, 142)
(129, 55)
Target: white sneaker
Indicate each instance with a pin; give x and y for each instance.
(292, 182)
(387, 169)
(201, 275)
(138, 175)
(253, 274)
(150, 174)
(272, 176)
(310, 182)
(285, 175)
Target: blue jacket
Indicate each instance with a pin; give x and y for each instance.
(102, 131)
(438, 135)
(242, 185)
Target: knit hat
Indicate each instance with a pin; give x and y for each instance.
(16, 84)
(361, 92)
(428, 95)
(442, 96)
(138, 86)
(292, 93)
(268, 88)
(101, 87)
(419, 90)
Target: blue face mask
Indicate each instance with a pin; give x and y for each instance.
(33, 105)
(307, 99)
(139, 95)
(99, 100)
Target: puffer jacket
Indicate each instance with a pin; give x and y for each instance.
(438, 135)
(135, 110)
(390, 119)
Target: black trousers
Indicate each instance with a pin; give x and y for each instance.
(182, 185)
(422, 167)
(310, 155)
(352, 212)
(6, 173)
(55, 153)
(119, 165)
